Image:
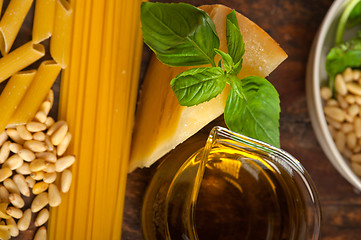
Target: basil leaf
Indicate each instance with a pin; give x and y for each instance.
(227, 60)
(252, 108)
(355, 16)
(235, 43)
(344, 55)
(180, 34)
(198, 85)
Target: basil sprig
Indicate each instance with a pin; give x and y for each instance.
(183, 35)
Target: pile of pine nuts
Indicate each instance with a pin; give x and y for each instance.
(343, 115)
(32, 159)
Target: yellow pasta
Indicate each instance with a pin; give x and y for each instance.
(97, 99)
(1, 5)
(12, 95)
(11, 22)
(36, 93)
(19, 59)
(60, 40)
(43, 20)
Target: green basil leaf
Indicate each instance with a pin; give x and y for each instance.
(227, 60)
(347, 54)
(252, 108)
(180, 34)
(235, 43)
(355, 16)
(198, 85)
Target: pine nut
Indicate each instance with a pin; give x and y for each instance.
(64, 144)
(14, 212)
(35, 126)
(355, 74)
(13, 228)
(347, 153)
(64, 162)
(42, 217)
(23, 132)
(38, 165)
(334, 113)
(358, 100)
(24, 221)
(48, 143)
(356, 158)
(347, 75)
(48, 156)
(348, 118)
(26, 155)
(350, 99)
(37, 175)
(40, 187)
(333, 103)
(16, 200)
(49, 122)
(14, 147)
(11, 186)
(54, 196)
(13, 162)
(4, 151)
(347, 127)
(354, 88)
(45, 107)
(340, 141)
(39, 136)
(326, 93)
(3, 138)
(30, 181)
(66, 178)
(5, 173)
(50, 177)
(58, 136)
(332, 131)
(35, 146)
(50, 96)
(24, 169)
(14, 135)
(353, 110)
(356, 149)
(21, 184)
(49, 168)
(4, 194)
(41, 234)
(39, 202)
(41, 116)
(55, 127)
(340, 85)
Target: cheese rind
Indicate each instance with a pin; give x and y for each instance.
(161, 123)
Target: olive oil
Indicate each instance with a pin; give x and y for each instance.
(230, 190)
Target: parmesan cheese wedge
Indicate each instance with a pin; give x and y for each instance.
(161, 123)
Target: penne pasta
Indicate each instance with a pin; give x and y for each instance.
(43, 20)
(36, 93)
(1, 5)
(19, 59)
(60, 40)
(11, 22)
(12, 95)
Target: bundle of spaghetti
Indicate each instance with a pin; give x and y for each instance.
(97, 98)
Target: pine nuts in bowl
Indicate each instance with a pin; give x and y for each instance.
(335, 109)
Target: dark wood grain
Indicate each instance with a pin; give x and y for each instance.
(293, 24)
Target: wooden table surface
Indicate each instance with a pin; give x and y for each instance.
(293, 24)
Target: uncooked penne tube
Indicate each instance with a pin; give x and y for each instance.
(11, 22)
(43, 20)
(12, 95)
(20, 58)
(60, 40)
(36, 93)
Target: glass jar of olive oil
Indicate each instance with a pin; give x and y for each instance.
(232, 188)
